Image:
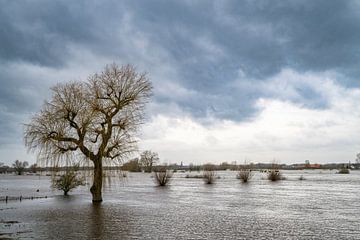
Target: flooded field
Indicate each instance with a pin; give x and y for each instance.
(325, 205)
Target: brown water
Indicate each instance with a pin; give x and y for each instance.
(324, 206)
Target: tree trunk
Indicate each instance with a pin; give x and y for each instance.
(97, 183)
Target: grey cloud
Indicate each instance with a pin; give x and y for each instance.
(39, 32)
(260, 38)
(205, 45)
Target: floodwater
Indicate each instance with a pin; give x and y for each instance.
(325, 205)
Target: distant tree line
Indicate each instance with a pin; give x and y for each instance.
(152, 163)
(136, 165)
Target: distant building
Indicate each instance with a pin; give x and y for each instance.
(313, 166)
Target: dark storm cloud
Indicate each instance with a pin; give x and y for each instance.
(38, 32)
(260, 38)
(209, 47)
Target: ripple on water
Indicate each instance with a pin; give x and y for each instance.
(324, 206)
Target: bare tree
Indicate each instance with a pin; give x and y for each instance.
(19, 166)
(96, 119)
(148, 159)
(162, 176)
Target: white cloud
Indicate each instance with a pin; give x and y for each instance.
(283, 130)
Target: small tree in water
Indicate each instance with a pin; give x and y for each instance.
(67, 181)
(97, 119)
(162, 176)
(19, 166)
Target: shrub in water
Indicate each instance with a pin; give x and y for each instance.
(244, 175)
(209, 174)
(162, 176)
(274, 175)
(67, 181)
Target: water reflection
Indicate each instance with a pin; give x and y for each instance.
(96, 229)
(109, 221)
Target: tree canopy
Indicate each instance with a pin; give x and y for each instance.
(148, 159)
(20, 166)
(96, 119)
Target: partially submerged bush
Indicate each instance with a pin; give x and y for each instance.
(301, 178)
(209, 177)
(244, 175)
(67, 181)
(209, 174)
(274, 175)
(162, 176)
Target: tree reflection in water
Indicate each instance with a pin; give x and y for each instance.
(109, 222)
(97, 222)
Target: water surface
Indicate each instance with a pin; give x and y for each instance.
(324, 206)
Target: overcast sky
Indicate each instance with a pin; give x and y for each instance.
(233, 80)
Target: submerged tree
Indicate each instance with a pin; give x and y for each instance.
(148, 159)
(97, 119)
(19, 166)
(68, 180)
(162, 176)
